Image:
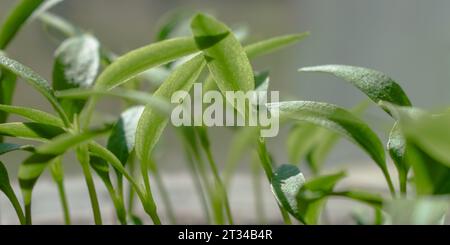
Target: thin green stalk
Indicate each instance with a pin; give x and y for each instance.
(403, 180)
(131, 192)
(150, 205)
(164, 193)
(267, 166)
(83, 158)
(58, 176)
(257, 190)
(16, 205)
(215, 171)
(28, 220)
(196, 178)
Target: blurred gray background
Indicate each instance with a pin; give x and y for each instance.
(407, 39)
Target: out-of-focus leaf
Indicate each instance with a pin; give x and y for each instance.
(151, 124)
(160, 104)
(34, 165)
(273, 44)
(33, 115)
(31, 130)
(8, 147)
(312, 196)
(15, 19)
(35, 80)
(44, 7)
(430, 175)
(339, 120)
(76, 65)
(169, 25)
(420, 211)
(55, 23)
(122, 139)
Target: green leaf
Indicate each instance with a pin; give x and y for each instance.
(151, 124)
(396, 146)
(431, 133)
(15, 19)
(430, 175)
(76, 65)
(362, 196)
(31, 169)
(270, 45)
(142, 59)
(261, 48)
(339, 120)
(418, 211)
(225, 56)
(160, 104)
(169, 25)
(6, 188)
(315, 143)
(100, 151)
(312, 197)
(33, 115)
(122, 139)
(31, 130)
(376, 85)
(287, 181)
(35, 80)
(8, 147)
(7, 86)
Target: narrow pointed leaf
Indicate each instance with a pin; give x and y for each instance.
(273, 44)
(225, 56)
(158, 103)
(376, 85)
(34, 165)
(139, 60)
(33, 115)
(35, 80)
(15, 20)
(35, 131)
(339, 120)
(152, 123)
(7, 86)
(8, 147)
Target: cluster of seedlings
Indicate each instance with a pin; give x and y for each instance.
(206, 50)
